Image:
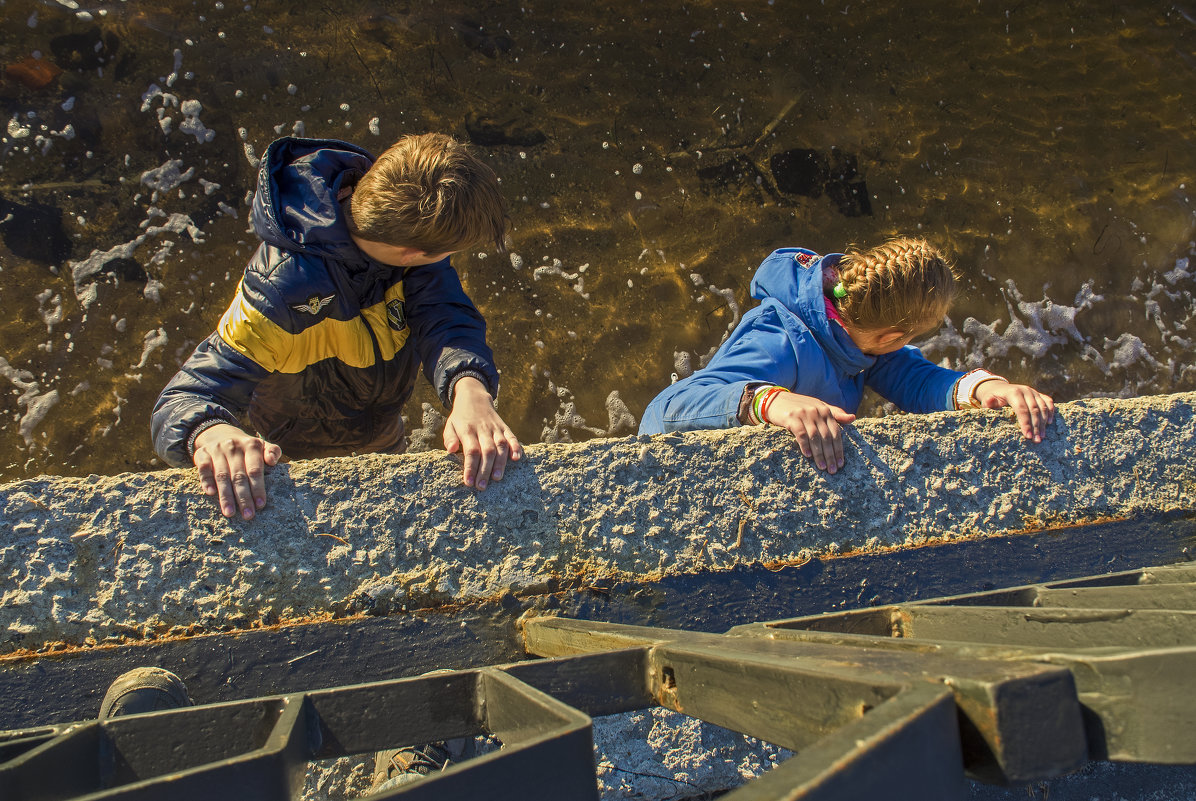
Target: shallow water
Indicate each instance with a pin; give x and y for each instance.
(1047, 145)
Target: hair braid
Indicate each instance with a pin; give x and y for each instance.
(906, 283)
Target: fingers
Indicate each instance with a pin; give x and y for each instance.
(821, 439)
(487, 444)
(486, 455)
(451, 441)
(507, 449)
(1033, 410)
(234, 470)
(1041, 412)
(207, 478)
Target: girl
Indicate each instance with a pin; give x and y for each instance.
(828, 326)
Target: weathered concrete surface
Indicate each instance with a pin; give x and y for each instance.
(88, 558)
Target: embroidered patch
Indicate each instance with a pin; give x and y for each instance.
(396, 314)
(315, 304)
(803, 259)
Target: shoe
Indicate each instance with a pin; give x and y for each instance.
(144, 689)
(402, 765)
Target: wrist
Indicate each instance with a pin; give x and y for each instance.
(203, 432)
(964, 393)
(467, 382)
(762, 400)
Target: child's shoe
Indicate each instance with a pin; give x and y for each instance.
(144, 689)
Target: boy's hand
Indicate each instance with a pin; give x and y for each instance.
(1034, 410)
(818, 427)
(232, 466)
(474, 428)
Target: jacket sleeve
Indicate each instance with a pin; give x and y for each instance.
(914, 383)
(760, 350)
(215, 383)
(450, 333)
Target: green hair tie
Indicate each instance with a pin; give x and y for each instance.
(839, 291)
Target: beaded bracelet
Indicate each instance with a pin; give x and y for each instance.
(760, 402)
(767, 402)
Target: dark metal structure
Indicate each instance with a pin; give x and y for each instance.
(899, 701)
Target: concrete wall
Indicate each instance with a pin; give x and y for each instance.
(84, 559)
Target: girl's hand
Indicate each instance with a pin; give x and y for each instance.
(1034, 410)
(474, 428)
(817, 426)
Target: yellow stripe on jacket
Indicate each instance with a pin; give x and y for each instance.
(259, 338)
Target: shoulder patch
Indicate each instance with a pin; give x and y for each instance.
(315, 304)
(804, 259)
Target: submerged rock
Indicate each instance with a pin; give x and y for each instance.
(84, 51)
(810, 173)
(506, 129)
(34, 231)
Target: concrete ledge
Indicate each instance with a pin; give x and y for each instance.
(85, 559)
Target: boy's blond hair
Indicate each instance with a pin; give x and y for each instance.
(906, 283)
(429, 192)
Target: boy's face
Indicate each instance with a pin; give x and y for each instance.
(398, 255)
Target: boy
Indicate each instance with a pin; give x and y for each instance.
(349, 293)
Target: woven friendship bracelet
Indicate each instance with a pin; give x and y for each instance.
(760, 403)
(965, 387)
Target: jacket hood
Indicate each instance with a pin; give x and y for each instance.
(295, 206)
(793, 278)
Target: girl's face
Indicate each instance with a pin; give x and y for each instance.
(879, 341)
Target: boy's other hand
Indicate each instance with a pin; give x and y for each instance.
(232, 466)
(474, 428)
(817, 426)
(1034, 410)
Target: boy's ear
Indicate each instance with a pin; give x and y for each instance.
(890, 336)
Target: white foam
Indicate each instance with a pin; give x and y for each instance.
(153, 340)
(565, 418)
(558, 268)
(167, 177)
(192, 125)
(53, 315)
(622, 421)
(37, 404)
(1129, 349)
(83, 270)
(16, 130)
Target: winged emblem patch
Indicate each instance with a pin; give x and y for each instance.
(314, 304)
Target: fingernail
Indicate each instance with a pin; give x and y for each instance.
(482, 484)
(260, 503)
(247, 514)
(821, 465)
(497, 475)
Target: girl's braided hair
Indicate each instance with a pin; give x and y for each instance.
(906, 283)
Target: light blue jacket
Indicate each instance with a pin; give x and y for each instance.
(788, 340)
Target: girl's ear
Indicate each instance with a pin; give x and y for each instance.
(890, 336)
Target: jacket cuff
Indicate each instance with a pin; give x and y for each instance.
(744, 411)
